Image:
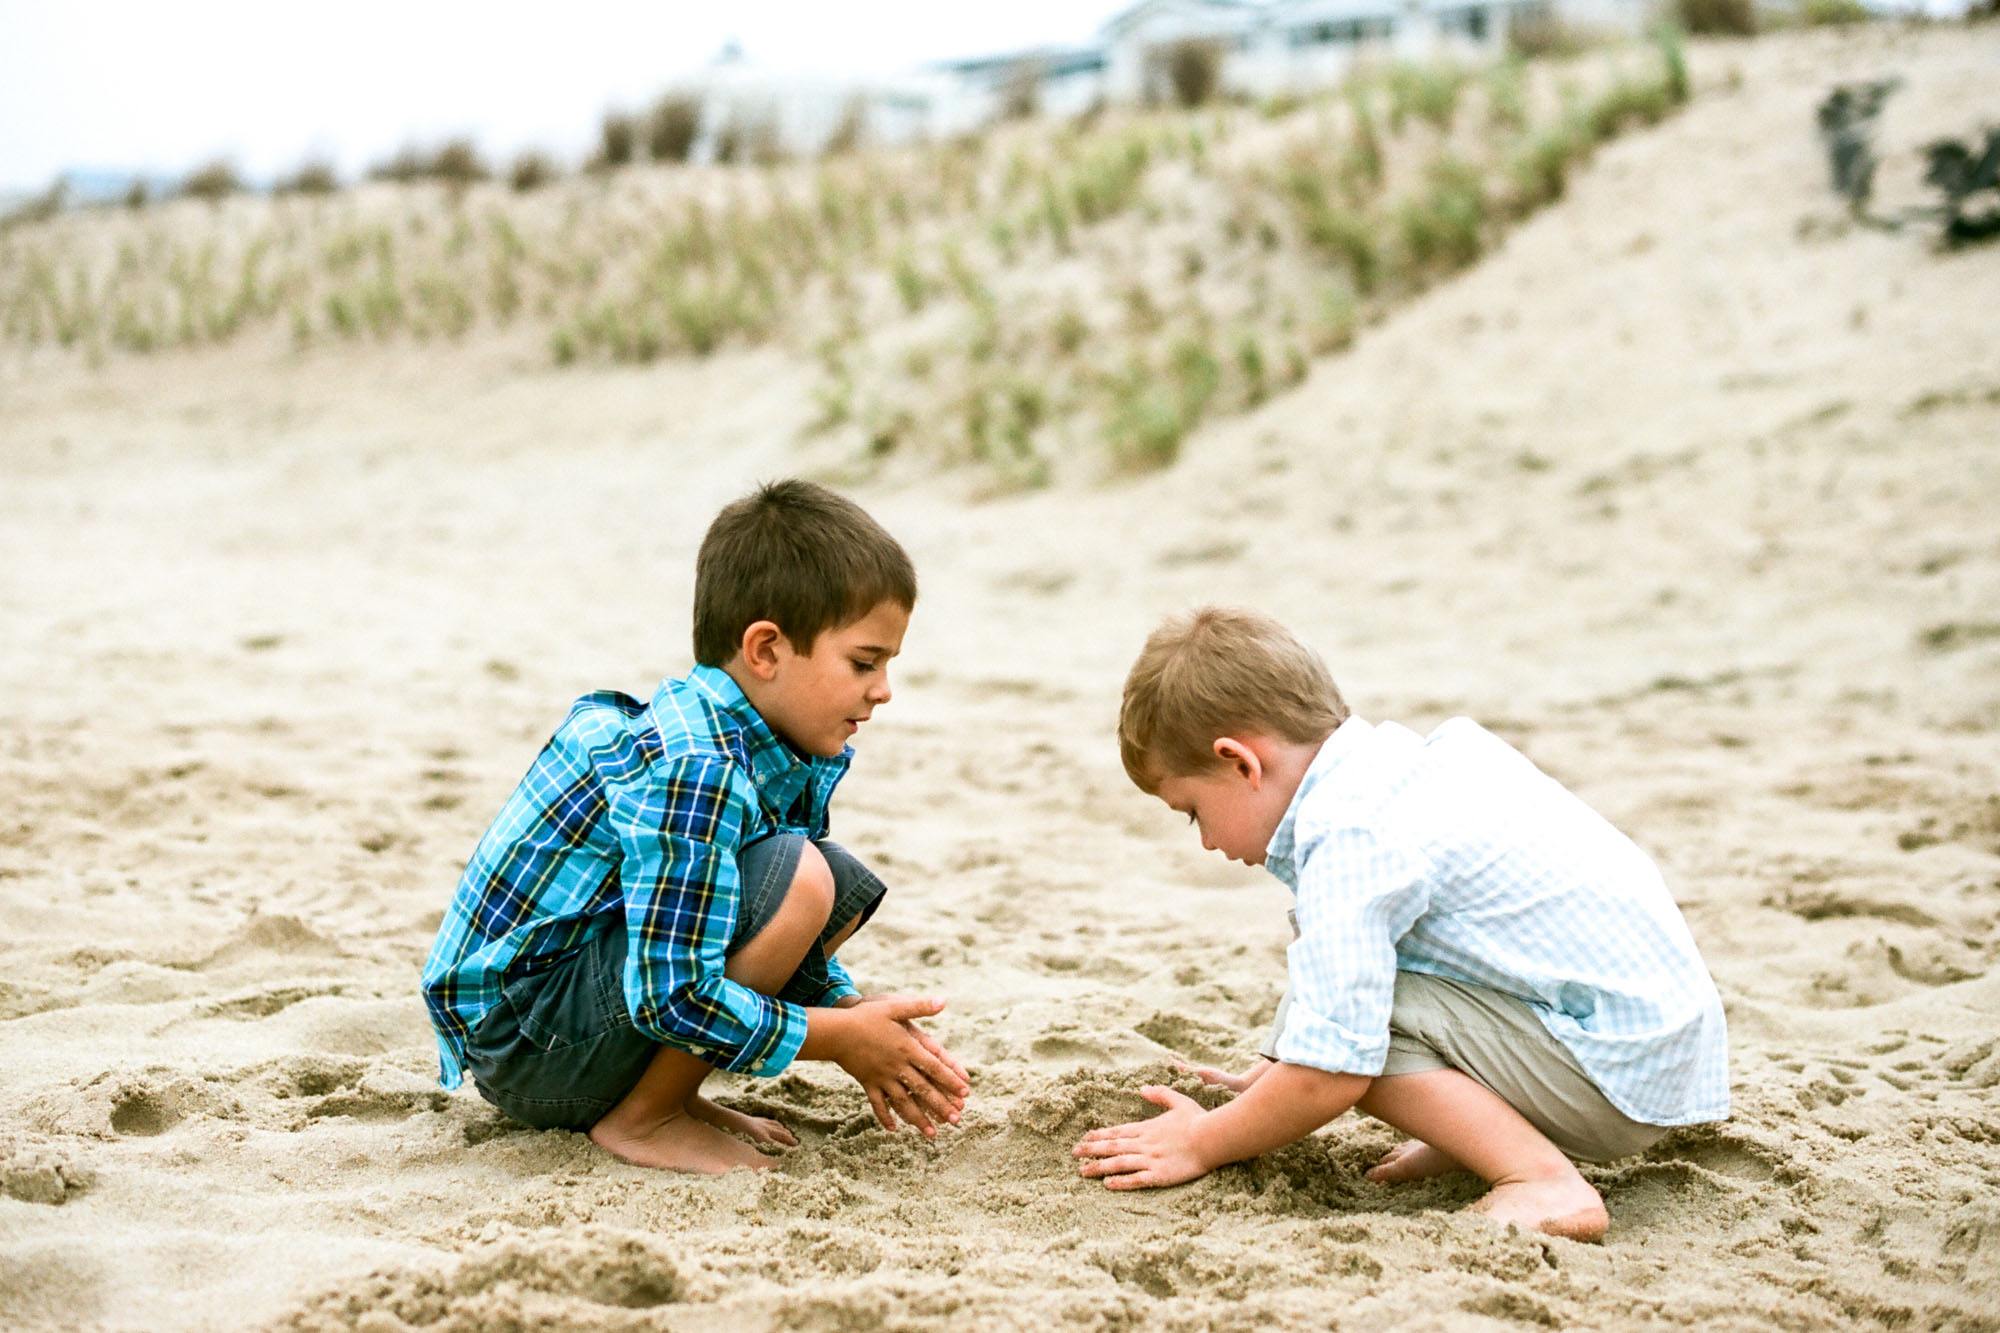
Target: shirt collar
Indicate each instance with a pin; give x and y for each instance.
(778, 770)
(1278, 853)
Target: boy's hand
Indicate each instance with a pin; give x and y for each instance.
(902, 1068)
(1219, 1078)
(931, 1044)
(1146, 1153)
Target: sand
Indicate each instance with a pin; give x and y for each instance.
(1689, 490)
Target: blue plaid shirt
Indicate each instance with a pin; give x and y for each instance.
(1452, 854)
(639, 810)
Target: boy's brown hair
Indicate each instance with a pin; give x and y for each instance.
(1219, 671)
(798, 555)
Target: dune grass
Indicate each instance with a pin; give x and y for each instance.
(1037, 295)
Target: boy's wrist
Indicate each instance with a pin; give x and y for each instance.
(828, 1033)
(1201, 1142)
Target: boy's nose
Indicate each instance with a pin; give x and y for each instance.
(881, 694)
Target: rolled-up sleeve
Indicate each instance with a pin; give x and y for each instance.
(681, 889)
(817, 984)
(1359, 891)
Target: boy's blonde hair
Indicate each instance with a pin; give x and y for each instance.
(1219, 671)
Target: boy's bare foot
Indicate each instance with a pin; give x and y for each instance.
(678, 1143)
(1411, 1160)
(1560, 1206)
(760, 1130)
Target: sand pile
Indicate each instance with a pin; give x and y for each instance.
(1688, 490)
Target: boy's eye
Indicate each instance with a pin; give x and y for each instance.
(863, 666)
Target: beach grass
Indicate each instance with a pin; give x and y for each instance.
(1044, 293)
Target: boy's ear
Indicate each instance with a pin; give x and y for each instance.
(1242, 759)
(760, 648)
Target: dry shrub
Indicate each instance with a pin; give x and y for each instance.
(313, 176)
(43, 206)
(1190, 70)
(455, 162)
(1717, 18)
(404, 166)
(1532, 33)
(217, 180)
(617, 140)
(671, 127)
(531, 170)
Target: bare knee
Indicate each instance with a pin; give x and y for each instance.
(812, 888)
(776, 951)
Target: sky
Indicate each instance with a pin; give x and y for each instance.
(164, 86)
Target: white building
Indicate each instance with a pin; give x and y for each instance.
(1271, 47)
(1265, 48)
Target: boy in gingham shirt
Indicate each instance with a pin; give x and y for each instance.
(1482, 961)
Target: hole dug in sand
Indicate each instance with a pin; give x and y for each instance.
(133, 1104)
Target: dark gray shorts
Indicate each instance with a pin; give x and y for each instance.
(560, 1048)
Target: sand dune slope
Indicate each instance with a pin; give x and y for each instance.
(1689, 489)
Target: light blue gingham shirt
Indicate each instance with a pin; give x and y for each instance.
(1452, 854)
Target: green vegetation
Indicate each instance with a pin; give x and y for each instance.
(671, 127)
(531, 170)
(456, 162)
(217, 180)
(1832, 13)
(1716, 18)
(1038, 294)
(1192, 70)
(313, 176)
(617, 139)
(1427, 91)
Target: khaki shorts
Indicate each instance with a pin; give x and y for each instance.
(1496, 1039)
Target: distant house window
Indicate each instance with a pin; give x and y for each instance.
(1472, 22)
(1348, 31)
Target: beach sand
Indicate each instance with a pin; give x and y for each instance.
(1689, 490)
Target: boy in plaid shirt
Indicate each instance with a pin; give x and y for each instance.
(659, 898)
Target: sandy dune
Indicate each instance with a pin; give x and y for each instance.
(1690, 490)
